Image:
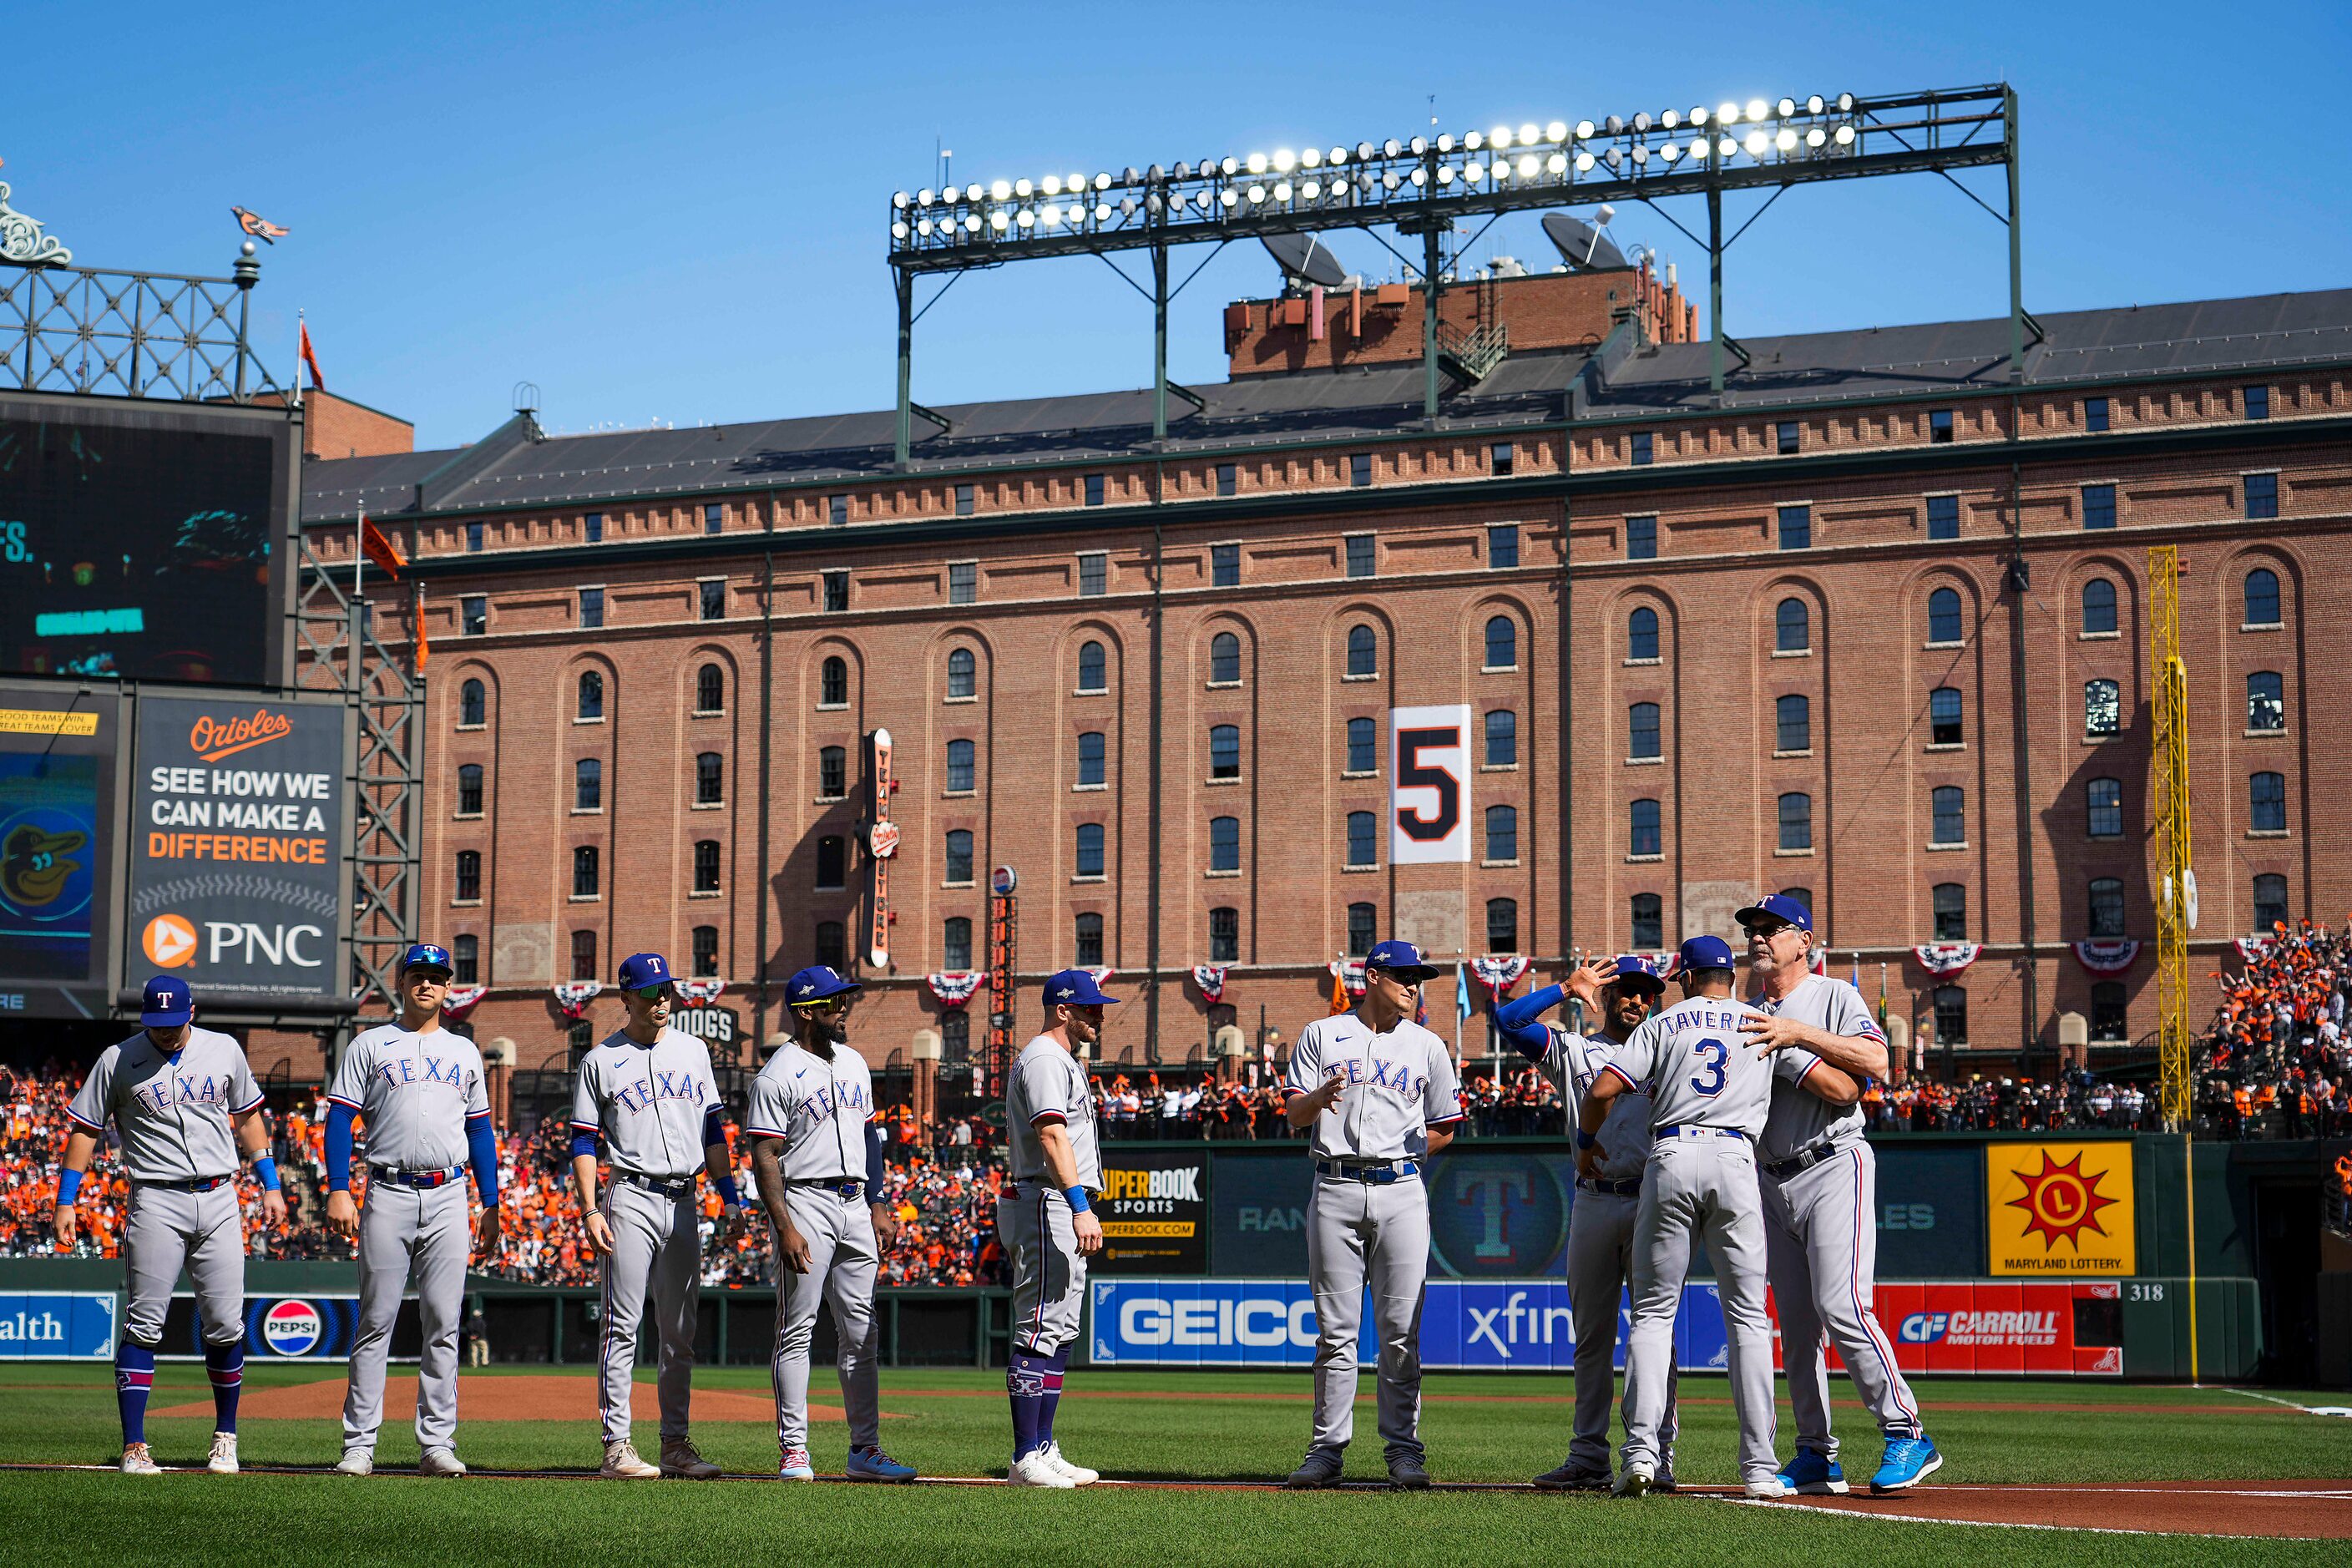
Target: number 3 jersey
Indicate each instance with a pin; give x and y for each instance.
(1705, 1072)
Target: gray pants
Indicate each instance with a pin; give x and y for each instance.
(424, 1233)
(1703, 1187)
(843, 1258)
(1820, 1245)
(1049, 1272)
(1599, 1261)
(655, 1244)
(1357, 1232)
(166, 1230)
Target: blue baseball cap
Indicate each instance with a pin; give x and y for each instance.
(1401, 959)
(1777, 907)
(1634, 974)
(640, 970)
(427, 955)
(1077, 988)
(1707, 952)
(817, 983)
(166, 1003)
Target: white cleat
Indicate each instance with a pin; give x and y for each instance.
(440, 1462)
(138, 1461)
(356, 1462)
(1079, 1475)
(622, 1464)
(681, 1459)
(1034, 1469)
(223, 1458)
(1634, 1480)
(793, 1465)
(1769, 1488)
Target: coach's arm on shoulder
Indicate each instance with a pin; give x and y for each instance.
(1062, 1170)
(1864, 1056)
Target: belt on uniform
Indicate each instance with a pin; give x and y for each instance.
(1630, 1187)
(200, 1184)
(1375, 1171)
(838, 1187)
(1805, 1159)
(414, 1178)
(1690, 1129)
(671, 1187)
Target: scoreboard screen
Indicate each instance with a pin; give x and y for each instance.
(142, 543)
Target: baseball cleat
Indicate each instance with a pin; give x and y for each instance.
(795, 1466)
(222, 1460)
(138, 1461)
(356, 1462)
(440, 1462)
(681, 1460)
(1814, 1474)
(1571, 1477)
(874, 1465)
(1406, 1471)
(1078, 1473)
(1769, 1488)
(1034, 1470)
(1320, 1469)
(1907, 1461)
(1635, 1479)
(1664, 1479)
(622, 1464)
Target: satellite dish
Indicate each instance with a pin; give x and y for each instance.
(1305, 258)
(1582, 246)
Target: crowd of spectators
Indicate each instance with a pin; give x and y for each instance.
(2277, 1061)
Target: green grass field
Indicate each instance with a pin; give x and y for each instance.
(1200, 1427)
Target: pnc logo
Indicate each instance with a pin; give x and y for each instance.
(211, 738)
(170, 940)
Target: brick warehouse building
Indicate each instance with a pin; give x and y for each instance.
(1777, 642)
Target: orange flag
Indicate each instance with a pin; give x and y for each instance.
(1339, 993)
(379, 549)
(310, 358)
(424, 648)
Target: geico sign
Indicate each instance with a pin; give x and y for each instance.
(1252, 1321)
(265, 944)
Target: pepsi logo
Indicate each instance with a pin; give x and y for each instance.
(292, 1327)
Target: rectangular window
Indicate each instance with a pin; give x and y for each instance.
(584, 955)
(1499, 458)
(1094, 576)
(714, 518)
(2258, 403)
(837, 511)
(1224, 565)
(964, 581)
(469, 875)
(592, 528)
(837, 592)
(1359, 469)
(963, 501)
(1228, 478)
(592, 608)
(1642, 447)
(832, 862)
(1796, 528)
(1787, 436)
(1503, 545)
(714, 598)
(474, 615)
(1641, 539)
(473, 539)
(2098, 506)
(2261, 495)
(1940, 426)
(1094, 489)
(1943, 517)
(1360, 555)
(2094, 413)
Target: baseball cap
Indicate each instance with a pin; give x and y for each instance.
(640, 970)
(427, 955)
(166, 1005)
(1078, 988)
(817, 983)
(1401, 959)
(1634, 974)
(1707, 952)
(1777, 907)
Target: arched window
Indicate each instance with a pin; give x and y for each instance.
(706, 865)
(2265, 701)
(1090, 849)
(709, 690)
(588, 784)
(1801, 895)
(1944, 616)
(466, 954)
(584, 880)
(832, 773)
(1951, 1004)
(1948, 814)
(1362, 848)
(1502, 837)
(1502, 925)
(832, 861)
(1793, 627)
(2266, 797)
(962, 673)
(473, 704)
(1363, 651)
(1088, 931)
(1649, 924)
(832, 944)
(1951, 912)
(955, 943)
(1225, 660)
(2098, 607)
(1646, 838)
(592, 696)
(1796, 815)
(2262, 597)
(1792, 723)
(1092, 667)
(1361, 920)
(2101, 708)
(1090, 758)
(469, 880)
(1502, 643)
(2108, 1010)
(1502, 739)
(705, 952)
(1224, 844)
(1641, 731)
(1641, 634)
(959, 857)
(1224, 751)
(960, 769)
(1224, 935)
(833, 680)
(1362, 755)
(709, 773)
(2103, 802)
(470, 789)
(2106, 906)
(1944, 717)
(2269, 903)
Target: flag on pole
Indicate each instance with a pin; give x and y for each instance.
(1881, 996)
(423, 649)
(379, 549)
(1461, 991)
(310, 358)
(1338, 992)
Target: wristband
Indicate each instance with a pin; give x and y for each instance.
(1078, 1196)
(68, 1187)
(265, 1169)
(1585, 1139)
(729, 1192)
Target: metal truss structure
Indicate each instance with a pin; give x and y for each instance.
(2176, 904)
(128, 334)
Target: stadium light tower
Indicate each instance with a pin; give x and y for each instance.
(1423, 186)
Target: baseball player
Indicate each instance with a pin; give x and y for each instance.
(1711, 1089)
(646, 1090)
(1820, 1208)
(1622, 993)
(817, 1155)
(418, 1087)
(1046, 1218)
(174, 1094)
(1380, 1094)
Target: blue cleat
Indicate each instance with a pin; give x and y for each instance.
(874, 1465)
(1908, 1460)
(1812, 1474)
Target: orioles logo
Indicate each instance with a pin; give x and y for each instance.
(2061, 1202)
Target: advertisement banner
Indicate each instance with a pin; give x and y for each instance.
(1154, 1210)
(289, 1328)
(1429, 797)
(239, 827)
(2012, 1329)
(718, 1027)
(58, 1325)
(1930, 1221)
(59, 860)
(2060, 1208)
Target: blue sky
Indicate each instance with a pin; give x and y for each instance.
(679, 212)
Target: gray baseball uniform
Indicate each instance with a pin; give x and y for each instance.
(652, 1104)
(1712, 1090)
(415, 1093)
(818, 1109)
(174, 1114)
(1600, 1240)
(1821, 1234)
(1048, 1087)
(1368, 1213)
